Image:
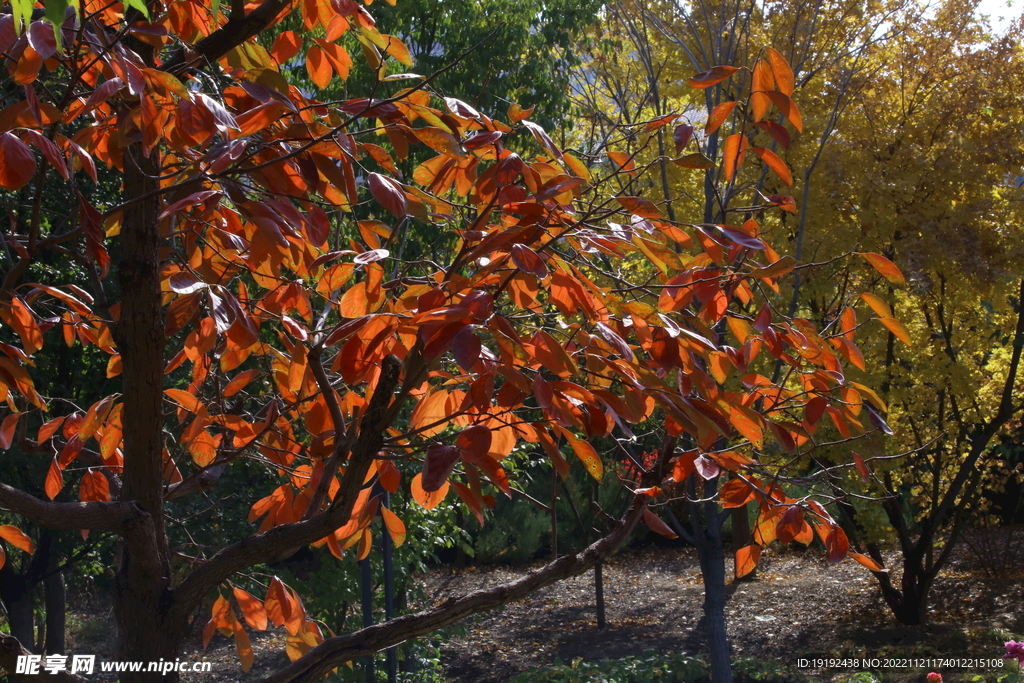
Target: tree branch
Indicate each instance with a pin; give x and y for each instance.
(227, 37)
(11, 649)
(111, 516)
(281, 540)
(336, 651)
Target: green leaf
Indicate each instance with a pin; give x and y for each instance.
(55, 11)
(22, 11)
(139, 5)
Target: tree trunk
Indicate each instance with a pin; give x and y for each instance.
(19, 603)
(55, 603)
(706, 523)
(142, 599)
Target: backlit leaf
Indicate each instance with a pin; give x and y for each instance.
(709, 78)
(746, 559)
(885, 267)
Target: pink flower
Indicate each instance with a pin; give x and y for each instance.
(934, 677)
(1015, 650)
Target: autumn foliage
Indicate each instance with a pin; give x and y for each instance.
(254, 288)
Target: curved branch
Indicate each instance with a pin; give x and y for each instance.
(336, 651)
(110, 516)
(282, 540)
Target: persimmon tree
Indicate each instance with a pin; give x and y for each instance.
(250, 288)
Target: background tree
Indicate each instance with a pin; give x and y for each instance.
(246, 296)
(928, 102)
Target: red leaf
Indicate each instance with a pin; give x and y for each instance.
(389, 194)
(474, 442)
(437, 465)
(790, 524)
(682, 136)
(17, 163)
(862, 467)
(527, 260)
(50, 151)
(837, 545)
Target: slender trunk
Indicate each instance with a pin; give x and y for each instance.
(599, 593)
(742, 535)
(54, 602)
(19, 603)
(706, 524)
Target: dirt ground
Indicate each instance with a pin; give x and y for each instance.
(798, 607)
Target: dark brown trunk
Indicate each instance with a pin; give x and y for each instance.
(143, 576)
(54, 601)
(19, 603)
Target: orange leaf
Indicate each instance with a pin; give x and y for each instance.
(7, 430)
(788, 108)
(54, 480)
(585, 452)
(318, 67)
(427, 500)
(253, 611)
(868, 562)
(746, 559)
(244, 647)
(735, 493)
(885, 267)
(517, 113)
(782, 72)
(733, 152)
(239, 382)
(709, 78)
(395, 526)
(877, 304)
(775, 163)
(286, 45)
(656, 525)
(94, 486)
(718, 116)
(897, 328)
(17, 538)
(644, 208)
(185, 400)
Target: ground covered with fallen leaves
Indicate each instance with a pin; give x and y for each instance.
(797, 607)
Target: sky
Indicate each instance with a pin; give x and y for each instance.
(998, 8)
